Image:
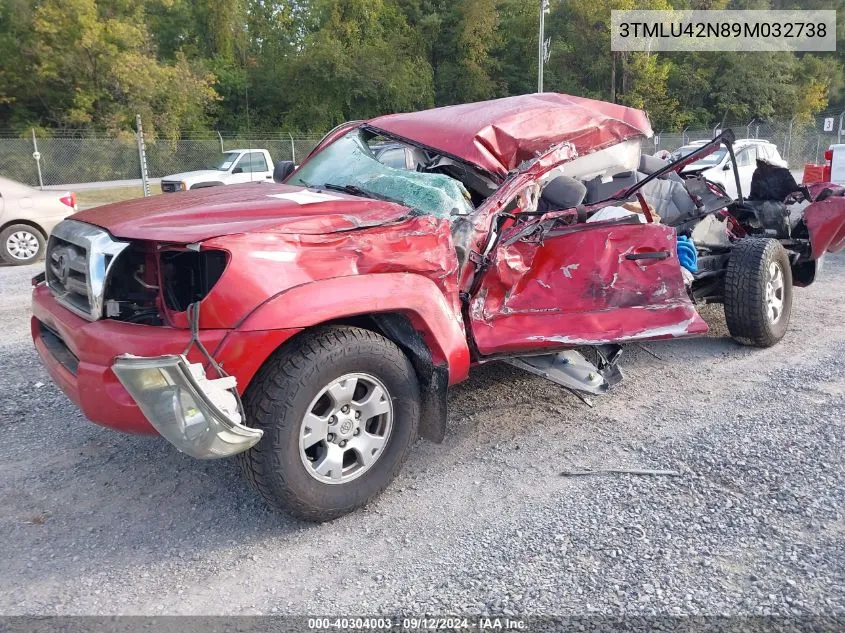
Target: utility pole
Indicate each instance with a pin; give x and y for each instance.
(542, 45)
(142, 156)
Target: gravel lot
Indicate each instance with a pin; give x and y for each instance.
(95, 521)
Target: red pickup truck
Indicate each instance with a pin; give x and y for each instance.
(312, 326)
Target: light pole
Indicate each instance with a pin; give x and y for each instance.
(542, 44)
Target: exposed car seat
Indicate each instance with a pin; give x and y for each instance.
(670, 200)
(651, 164)
(598, 190)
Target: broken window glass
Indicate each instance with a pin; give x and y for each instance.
(350, 162)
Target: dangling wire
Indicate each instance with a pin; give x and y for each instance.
(193, 314)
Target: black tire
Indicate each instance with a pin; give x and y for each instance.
(279, 396)
(14, 229)
(746, 309)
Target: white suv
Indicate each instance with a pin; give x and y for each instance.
(717, 166)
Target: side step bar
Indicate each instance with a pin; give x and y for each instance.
(571, 370)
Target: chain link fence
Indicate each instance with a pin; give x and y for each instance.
(86, 159)
(798, 142)
(108, 159)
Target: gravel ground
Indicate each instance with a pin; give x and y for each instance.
(97, 522)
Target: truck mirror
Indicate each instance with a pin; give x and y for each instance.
(282, 170)
(727, 166)
(238, 170)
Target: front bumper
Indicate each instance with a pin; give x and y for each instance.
(79, 354)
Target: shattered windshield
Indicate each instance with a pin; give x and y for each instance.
(350, 164)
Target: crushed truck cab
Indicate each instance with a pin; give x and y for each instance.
(312, 327)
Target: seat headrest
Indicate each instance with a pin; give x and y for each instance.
(562, 193)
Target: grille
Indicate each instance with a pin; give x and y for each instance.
(169, 187)
(79, 258)
(67, 273)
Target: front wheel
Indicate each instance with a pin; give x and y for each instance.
(339, 407)
(758, 292)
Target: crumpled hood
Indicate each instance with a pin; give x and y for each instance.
(206, 175)
(199, 215)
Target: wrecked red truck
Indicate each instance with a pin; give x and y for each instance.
(313, 327)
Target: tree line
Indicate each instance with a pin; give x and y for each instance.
(307, 65)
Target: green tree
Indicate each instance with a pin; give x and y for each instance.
(92, 64)
(356, 64)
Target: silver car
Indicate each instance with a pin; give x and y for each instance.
(27, 217)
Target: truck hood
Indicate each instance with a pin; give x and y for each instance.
(200, 174)
(199, 215)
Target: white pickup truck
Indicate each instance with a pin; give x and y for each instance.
(234, 167)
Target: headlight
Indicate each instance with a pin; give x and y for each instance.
(183, 186)
(198, 416)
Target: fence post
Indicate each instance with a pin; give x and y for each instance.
(142, 156)
(37, 156)
(789, 140)
(292, 149)
(220, 136)
(684, 135)
(839, 133)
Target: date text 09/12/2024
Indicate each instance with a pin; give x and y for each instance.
(484, 623)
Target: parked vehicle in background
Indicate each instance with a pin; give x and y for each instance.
(717, 167)
(235, 167)
(342, 303)
(834, 164)
(27, 217)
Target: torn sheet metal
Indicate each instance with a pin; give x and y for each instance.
(584, 287)
(270, 263)
(350, 161)
(825, 221)
(497, 136)
(568, 369)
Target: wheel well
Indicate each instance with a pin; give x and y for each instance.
(433, 377)
(6, 225)
(205, 185)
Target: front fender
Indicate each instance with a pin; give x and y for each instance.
(414, 296)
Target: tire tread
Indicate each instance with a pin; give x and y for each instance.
(288, 370)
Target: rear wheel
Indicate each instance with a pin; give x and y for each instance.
(21, 244)
(758, 292)
(339, 407)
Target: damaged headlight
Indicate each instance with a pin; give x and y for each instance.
(200, 417)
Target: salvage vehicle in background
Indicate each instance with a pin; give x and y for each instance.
(27, 216)
(312, 328)
(235, 167)
(718, 166)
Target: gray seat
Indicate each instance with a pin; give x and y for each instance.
(561, 193)
(651, 164)
(670, 200)
(598, 190)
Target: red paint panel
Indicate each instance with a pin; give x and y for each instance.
(579, 287)
(825, 222)
(498, 135)
(435, 315)
(95, 388)
(264, 265)
(193, 216)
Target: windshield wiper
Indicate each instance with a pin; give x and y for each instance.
(357, 191)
